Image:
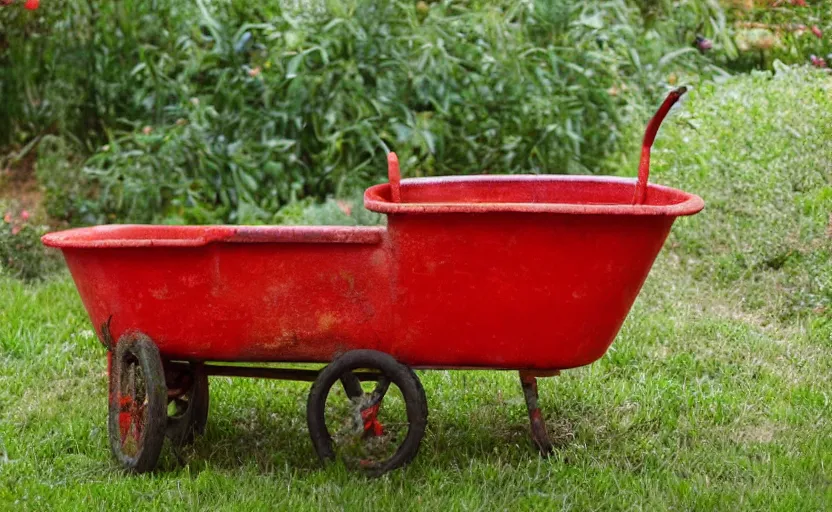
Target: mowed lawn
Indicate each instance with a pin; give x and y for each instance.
(715, 395)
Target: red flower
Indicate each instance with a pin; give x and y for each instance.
(818, 62)
(31, 5)
(24, 215)
(818, 33)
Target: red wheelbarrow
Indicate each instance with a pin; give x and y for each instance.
(528, 273)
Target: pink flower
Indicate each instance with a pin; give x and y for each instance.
(15, 230)
(7, 218)
(24, 215)
(702, 44)
(818, 62)
(818, 32)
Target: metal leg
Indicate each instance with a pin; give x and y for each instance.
(538, 426)
(352, 385)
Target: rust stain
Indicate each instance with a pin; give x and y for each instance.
(326, 321)
(349, 278)
(287, 339)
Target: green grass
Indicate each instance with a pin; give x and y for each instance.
(715, 395)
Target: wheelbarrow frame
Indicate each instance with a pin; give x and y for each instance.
(538, 272)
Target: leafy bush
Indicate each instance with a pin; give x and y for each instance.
(67, 191)
(64, 68)
(21, 253)
(227, 111)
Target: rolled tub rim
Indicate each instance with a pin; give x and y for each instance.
(376, 198)
(109, 236)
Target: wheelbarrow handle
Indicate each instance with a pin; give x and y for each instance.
(394, 177)
(647, 143)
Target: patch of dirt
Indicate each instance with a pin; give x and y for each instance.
(735, 313)
(829, 227)
(19, 185)
(757, 434)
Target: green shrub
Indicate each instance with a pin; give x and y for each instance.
(67, 191)
(262, 108)
(21, 253)
(228, 111)
(65, 68)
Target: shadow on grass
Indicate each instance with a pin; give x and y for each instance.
(273, 442)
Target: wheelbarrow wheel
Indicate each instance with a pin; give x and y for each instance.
(138, 403)
(188, 409)
(374, 430)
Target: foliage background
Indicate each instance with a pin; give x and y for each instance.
(225, 111)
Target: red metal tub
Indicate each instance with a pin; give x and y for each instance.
(525, 274)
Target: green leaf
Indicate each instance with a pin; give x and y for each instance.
(292, 67)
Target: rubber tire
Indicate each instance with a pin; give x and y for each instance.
(196, 417)
(401, 375)
(153, 437)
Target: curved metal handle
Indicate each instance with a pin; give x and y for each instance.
(647, 143)
(394, 177)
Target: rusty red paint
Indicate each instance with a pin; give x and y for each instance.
(131, 417)
(370, 418)
(121, 236)
(514, 272)
(649, 137)
(537, 425)
(394, 177)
